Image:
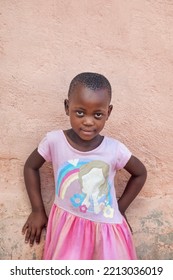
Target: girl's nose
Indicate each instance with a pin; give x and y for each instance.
(88, 121)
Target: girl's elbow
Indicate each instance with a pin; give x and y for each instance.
(144, 173)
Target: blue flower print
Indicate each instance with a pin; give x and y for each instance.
(77, 199)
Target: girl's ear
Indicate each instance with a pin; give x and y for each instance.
(66, 106)
(109, 110)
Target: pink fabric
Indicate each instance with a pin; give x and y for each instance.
(85, 222)
(75, 238)
(97, 200)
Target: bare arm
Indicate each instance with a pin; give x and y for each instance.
(138, 177)
(37, 220)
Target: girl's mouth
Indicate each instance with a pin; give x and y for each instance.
(87, 132)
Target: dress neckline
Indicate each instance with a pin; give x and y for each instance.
(78, 151)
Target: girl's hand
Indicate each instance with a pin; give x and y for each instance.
(33, 227)
(128, 223)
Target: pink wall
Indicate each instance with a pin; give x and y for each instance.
(43, 45)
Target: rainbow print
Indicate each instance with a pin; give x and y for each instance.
(67, 174)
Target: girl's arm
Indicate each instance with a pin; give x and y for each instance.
(138, 177)
(37, 220)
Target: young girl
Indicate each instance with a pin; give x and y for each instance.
(86, 221)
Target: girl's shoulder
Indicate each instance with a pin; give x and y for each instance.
(52, 138)
(119, 150)
(112, 141)
(54, 134)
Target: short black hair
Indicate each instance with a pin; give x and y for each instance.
(92, 81)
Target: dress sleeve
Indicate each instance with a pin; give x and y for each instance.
(123, 156)
(44, 149)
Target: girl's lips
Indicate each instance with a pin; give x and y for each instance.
(87, 132)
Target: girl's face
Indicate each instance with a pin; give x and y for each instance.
(88, 111)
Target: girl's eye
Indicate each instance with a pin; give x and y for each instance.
(98, 115)
(79, 113)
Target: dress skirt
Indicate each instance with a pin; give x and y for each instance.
(70, 237)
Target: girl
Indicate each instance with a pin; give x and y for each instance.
(86, 221)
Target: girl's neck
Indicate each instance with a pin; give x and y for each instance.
(79, 144)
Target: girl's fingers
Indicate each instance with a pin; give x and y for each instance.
(32, 237)
(27, 236)
(38, 235)
(32, 232)
(24, 228)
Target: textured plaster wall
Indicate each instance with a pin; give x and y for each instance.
(43, 45)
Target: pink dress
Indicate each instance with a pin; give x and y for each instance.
(85, 222)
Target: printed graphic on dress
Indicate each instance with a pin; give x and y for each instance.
(93, 191)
